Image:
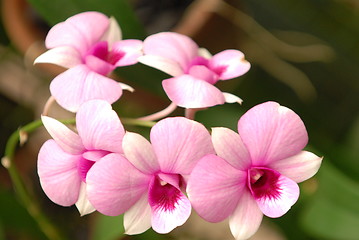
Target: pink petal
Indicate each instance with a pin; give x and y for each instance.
(247, 217)
(214, 188)
(229, 64)
(98, 65)
(130, 49)
(299, 167)
(229, 146)
(172, 179)
(140, 153)
(272, 132)
(276, 206)
(78, 85)
(170, 207)
(94, 155)
(99, 126)
(69, 141)
(161, 63)
(138, 218)
(58, 174)
(83, 205)
(203, 73)
(189, 92)
(174, 46)
(179, 143)
(114, 185)
(113, 32)
(64, 56)
(80, 31)
(83, 166)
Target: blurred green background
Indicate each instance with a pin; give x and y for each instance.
(304, 55)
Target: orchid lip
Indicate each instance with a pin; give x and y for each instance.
(83, 167)
(165, 194)
(209, 75)
(88, 160)
(263, 182)
(102, 53)
(198, 61)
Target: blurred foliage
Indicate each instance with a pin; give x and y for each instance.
(108, 228)
(331, 114)
(15, 219)
(56, 11)
(333, 212)
(12, 117)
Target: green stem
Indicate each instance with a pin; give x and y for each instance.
(137, 122)
(24, 195)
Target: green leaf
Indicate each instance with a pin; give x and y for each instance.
(56, 11)
(334, 210)
(108, 228)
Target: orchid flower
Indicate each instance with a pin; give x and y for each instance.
(147, 183)
(90, 45)
(63, 162)
(255, 172)
(194, 70)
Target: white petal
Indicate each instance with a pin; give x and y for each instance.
(138, 218)
(139, 152)
(203, 52)
(246, 219)
(229, 146)
(164, 64)
(69, 141)
(64, 56)
(230, 98)
(299, 167)
(113, 33)
(126, 87)
(83, 204)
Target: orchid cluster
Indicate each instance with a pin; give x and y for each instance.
(155, 183)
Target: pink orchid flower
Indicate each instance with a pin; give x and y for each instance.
(147, 183)
(256, 171)
(195, 71)
(63, 162)
(90, 45)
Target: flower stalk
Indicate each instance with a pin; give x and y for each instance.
(24, 195)
(161, 114)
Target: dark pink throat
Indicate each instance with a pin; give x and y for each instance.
(101, 51)
(164, 195)
(263, 182)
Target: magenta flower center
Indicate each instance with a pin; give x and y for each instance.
(201, 68)
(83, 167)
(263, 182)
(198, 61)
(100, 50)
(163, 195)
(88, 160)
